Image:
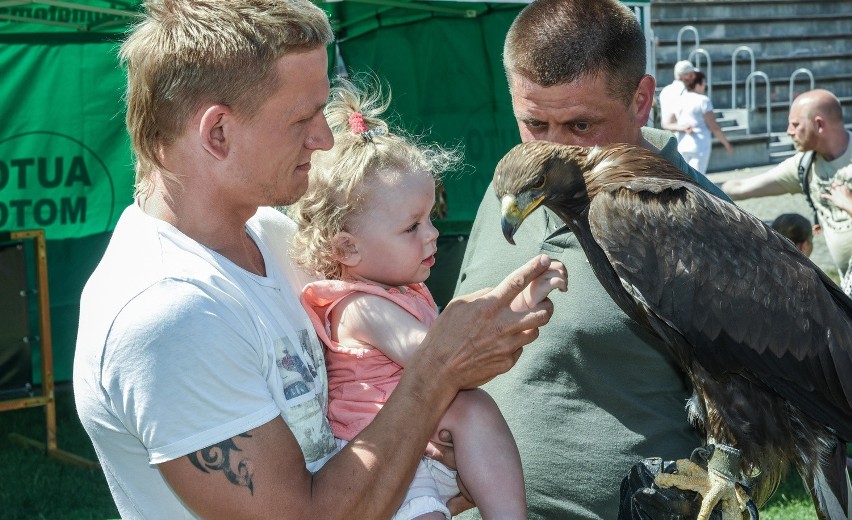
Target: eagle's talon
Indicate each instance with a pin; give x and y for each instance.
(746, 503)
(714, 488)
(690, 476)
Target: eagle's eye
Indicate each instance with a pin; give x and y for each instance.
(540, 185)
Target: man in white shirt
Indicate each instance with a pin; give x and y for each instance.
(197, 374)
(670, 94)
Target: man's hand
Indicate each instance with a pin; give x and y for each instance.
(476, 337)
(643, 499)
(479, 336)
(556, 277)
(441, 450)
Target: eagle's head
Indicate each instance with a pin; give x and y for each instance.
(540, 173)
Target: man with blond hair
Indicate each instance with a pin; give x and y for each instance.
(197, 374)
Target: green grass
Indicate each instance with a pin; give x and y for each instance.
(790, 502)
(34, 486)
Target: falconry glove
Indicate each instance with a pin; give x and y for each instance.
(643, 499)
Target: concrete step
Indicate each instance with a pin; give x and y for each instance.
(780, 147)
(735, 131)
(755, 27)
(680, 9)
(732, 126)
(780, 111)
(825, 64)
(749, 150)
(720, 91)
(781, 156)
(739, 116)
(753, 24)
(784, 36)
(728, 124)
(732, 122)
(780, 143)
(729, 119)
(777, 51)
(721, 49)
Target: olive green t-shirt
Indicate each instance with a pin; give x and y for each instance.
(594, 393)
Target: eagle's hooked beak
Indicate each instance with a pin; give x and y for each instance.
(515, 210)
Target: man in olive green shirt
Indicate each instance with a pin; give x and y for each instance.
(595, 393)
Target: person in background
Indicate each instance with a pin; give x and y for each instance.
(671, 93)
(595, 393)
(693, 120)
(364, 226)
(798, 229)
(197, 374)
(822, 151)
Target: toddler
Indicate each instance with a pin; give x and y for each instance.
(365, 226)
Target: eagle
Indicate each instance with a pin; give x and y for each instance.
(764, 336)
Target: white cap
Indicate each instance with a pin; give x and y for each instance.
(683, 67)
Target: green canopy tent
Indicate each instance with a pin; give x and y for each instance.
(442, 60)
(65, 163)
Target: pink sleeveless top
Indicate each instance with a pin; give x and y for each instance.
(360, 380)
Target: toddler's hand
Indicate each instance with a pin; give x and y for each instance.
(556, 277)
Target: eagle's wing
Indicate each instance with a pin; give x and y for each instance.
(742, 296)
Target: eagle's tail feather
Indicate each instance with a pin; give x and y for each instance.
(830, 487)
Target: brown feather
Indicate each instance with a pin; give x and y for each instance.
(764, 336)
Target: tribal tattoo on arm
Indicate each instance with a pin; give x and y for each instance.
(220, 457)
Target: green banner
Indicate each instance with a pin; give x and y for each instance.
(65, 164)
(447, 84)
(89, 16)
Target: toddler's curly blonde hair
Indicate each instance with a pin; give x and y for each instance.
(340, 178)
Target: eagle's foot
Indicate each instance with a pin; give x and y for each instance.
(717, 485)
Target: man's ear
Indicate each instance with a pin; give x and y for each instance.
(212, 130)
(643, 99)
(345, 249)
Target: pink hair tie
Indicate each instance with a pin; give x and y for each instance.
(359, 127)
(357, 124)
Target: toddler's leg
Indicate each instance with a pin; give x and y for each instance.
(486, 455)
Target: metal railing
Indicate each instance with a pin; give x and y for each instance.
(750, 101)
(795, 73)
(697, 63)
(682, 30)
(741, 48)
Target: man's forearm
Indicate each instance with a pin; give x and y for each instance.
(372, 473)
(472, 341)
